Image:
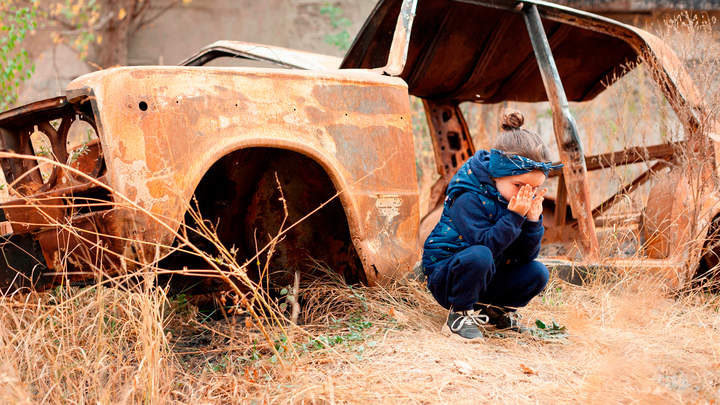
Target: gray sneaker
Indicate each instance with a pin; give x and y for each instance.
(465, 324)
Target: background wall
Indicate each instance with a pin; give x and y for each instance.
(296, 24)
(184, 29)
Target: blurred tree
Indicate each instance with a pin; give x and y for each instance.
(100, 30)
(341, 39)
(16, 67)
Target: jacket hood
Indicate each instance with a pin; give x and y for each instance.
(474, 176)
(480, 166)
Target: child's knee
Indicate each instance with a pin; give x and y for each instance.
(481, 255)
(539, 272)
(476, 262)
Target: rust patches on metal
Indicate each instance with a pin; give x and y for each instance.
(387, 206)
(570, 149)
(452, 144)
(168, 133)
(630, 156)
(282, 57)
(666, 218)
(163, 128)
(34, 112)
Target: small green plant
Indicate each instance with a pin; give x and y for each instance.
(43, 151)
(358, 330)
(359, 296)
(281, 345)
(286, 298)
(342, 39)
(15, 24)
(181, 302)
(83, 149)
(547, 331)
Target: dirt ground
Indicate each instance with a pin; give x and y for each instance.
(626, 342)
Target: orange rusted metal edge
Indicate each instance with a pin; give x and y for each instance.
(34, 112)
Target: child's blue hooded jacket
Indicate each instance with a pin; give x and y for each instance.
(474, 213)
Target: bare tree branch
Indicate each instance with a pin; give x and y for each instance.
(137, 11)
(101, 24)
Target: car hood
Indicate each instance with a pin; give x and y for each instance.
(474, 50)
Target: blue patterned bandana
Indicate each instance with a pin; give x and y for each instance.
(502, 165)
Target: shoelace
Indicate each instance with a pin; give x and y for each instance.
(477, 319)
(514, 315)
(514, 318)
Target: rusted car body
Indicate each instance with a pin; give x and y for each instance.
(254, 151)
(225, 135)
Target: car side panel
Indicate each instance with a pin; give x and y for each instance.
(163, 127)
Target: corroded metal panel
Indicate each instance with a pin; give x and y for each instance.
(162, 128)
(473, 50)
(452, 144)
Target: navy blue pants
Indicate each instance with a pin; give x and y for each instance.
(472, 276)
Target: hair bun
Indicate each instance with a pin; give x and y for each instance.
(512, 119)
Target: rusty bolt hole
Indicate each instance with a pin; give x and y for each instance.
(143, 106)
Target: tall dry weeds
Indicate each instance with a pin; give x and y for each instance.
(108, 342)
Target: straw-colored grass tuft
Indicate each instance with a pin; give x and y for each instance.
(627, 342)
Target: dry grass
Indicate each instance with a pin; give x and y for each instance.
(628, 343)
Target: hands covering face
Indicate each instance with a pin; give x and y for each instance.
(524, 203)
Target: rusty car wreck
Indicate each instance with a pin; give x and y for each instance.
(327, 143)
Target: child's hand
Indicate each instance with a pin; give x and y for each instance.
(536, 207)
(520, 204)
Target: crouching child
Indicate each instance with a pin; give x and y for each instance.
(480, 258)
